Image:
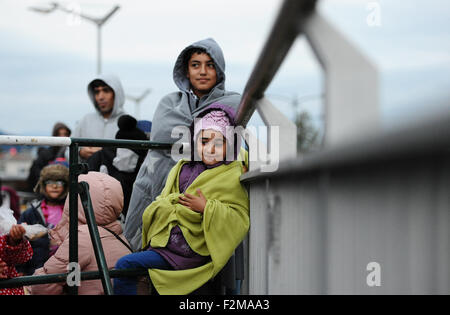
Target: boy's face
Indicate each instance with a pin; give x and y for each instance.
(211, 147)
(104, 98)
(54, 189)
(201, 73)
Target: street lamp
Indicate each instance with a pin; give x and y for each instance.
(97, 21)
(137, 101)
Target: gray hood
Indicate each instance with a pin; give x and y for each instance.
(213, 49)
(119, 95)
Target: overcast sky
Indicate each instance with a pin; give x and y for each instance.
(46, 61)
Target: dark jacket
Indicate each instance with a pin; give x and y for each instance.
(41, 246)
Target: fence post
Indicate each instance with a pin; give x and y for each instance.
(73, 209)
(95, 238)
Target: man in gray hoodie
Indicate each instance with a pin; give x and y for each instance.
(199, 73)
(107, 96)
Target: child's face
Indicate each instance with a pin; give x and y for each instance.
(201, 73)
(211, 147)
(54, 188)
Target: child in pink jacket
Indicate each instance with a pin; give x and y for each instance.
(14, 249)
(107, 202)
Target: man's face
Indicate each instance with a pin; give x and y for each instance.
(201, 73)
(104, 98)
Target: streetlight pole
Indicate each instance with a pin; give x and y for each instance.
(99, 49)
(137, 101)
(97, 21)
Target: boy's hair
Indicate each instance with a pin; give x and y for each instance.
(98, 83)
(187, 56)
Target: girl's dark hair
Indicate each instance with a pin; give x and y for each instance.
(188, 54)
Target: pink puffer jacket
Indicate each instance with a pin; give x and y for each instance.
(107, 201)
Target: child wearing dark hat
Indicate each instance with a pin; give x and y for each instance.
(121, 163)
(53, 186)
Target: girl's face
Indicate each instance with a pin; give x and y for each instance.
(211, 147)
(54, 188)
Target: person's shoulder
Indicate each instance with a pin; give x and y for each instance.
(169, 101)
(234, 96)
(231, 93)
(34, 205)
(29, 216)
(25, 216)
(232, 170)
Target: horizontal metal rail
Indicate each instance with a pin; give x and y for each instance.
(66, 141)
(30, 140)
(430, 137)
(139, 144)
(287, 27)
(62, 277)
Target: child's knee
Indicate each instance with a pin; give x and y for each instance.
(123, 263)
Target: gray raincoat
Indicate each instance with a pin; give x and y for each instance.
(93, 125)
(175, 109)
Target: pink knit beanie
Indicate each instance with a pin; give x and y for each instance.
(215, 120)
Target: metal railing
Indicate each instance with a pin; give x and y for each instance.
(287, 27)
(351, 113)
(82, 189)
(368, 197)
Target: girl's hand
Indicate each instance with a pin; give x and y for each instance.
(196, 203)
(16, 234)
(3, 268)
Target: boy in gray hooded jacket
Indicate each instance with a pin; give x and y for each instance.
(199, 73)
(107, 96)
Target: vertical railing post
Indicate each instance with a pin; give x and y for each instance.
(95, 238)
(73, 209)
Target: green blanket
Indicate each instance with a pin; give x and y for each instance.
(216, 232)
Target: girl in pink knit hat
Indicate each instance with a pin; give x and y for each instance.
(212, 137)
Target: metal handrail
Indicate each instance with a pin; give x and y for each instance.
(62, 277)
(75, 188)
(76, 169)
(288, 25)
